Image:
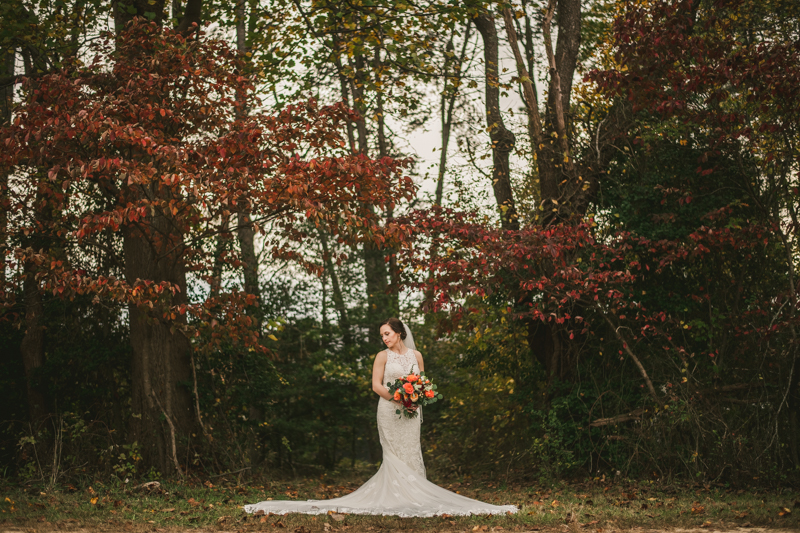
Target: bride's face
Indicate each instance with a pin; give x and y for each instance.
(389, 336)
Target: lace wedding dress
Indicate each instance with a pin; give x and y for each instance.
(400, 487)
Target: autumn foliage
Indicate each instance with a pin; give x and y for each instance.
(150, 139)
(627, 302)
(136, 162)
(686, 277)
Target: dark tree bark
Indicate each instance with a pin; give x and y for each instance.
(163, 416)
(343, 86)
(338, 298)
(453, 74)
(161, 357)
(222, 245)
(568, 44)
(502, 138)
(393, 296)
(191, 15)
(127, 10)
(6, 103)
(375, 272)
(359, 104)
(247, 235)
(793, 406)
(32, 348)
(566, 186)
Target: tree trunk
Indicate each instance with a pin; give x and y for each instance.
(32, 347)
(393, 296)
(793, 406)
(343, 82)
(550, 142)
(125, 11)
(163, 417)
(359, 104)
(223, 242)
(568, 44)
(502, 138)
(338, 298)
(375, 273)
(6, 103)
(246, 235)
(446, 107)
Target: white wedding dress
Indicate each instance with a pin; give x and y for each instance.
(400, 487)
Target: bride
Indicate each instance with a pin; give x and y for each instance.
(400, 487)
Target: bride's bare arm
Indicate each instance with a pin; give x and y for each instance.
(420, 362)
(377, 375)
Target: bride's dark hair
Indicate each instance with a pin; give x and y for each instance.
(396, 326)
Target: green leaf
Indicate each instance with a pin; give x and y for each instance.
(150, 14)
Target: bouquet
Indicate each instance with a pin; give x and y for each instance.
(413, 390)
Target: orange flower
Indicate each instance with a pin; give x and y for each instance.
(412, 378)
(408, 387)
(397, 395)
(430, 394)
(414, 397)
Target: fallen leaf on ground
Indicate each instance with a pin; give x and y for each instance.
(338, 516)
(706, 524)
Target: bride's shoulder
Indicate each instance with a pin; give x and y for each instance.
(382, 354)
(417, 354)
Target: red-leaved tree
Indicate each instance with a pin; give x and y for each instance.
(710, 311)
(135, 161)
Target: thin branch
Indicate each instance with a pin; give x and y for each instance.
(636, 361)
(635, 415)
(171, 434)
(524, 78)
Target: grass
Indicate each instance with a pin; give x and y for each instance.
(595, 506)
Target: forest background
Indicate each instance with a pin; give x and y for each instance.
(209, 206)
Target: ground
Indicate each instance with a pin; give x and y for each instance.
(593, 506)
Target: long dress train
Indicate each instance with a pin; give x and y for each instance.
(400, 487)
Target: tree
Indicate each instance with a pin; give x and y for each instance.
(688, 269)
(725, 86)
(152, 153)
